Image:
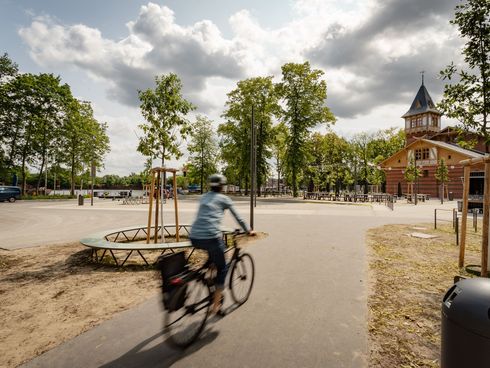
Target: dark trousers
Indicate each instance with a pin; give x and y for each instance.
(216, 253)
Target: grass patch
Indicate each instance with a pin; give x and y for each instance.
(409, 277)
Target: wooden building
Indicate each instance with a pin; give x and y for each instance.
(426, 144)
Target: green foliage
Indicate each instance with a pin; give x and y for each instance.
(304, 94)
(370, 149)
(42, 124)
(412, 172)
(8, 68)
(278, 149)
(164, 110)
(203, 149)
(235, 133)
(442, 173)
(84, 140)
(327, 167)
(467, 100)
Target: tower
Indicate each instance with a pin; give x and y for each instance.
(422, 119)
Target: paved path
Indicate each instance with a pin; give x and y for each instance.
(307, 309)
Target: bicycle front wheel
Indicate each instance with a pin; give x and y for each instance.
(185, 324)
(242, 278)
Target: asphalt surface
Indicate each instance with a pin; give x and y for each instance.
(307, 309)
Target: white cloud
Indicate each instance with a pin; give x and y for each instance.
(371, 52)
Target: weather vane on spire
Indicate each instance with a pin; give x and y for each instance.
(422, 72)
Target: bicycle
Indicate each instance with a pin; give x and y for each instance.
(188, 293)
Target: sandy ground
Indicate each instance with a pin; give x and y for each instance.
(408, 279)
(51, 294)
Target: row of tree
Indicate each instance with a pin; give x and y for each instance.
(42, 123)
(297, 102)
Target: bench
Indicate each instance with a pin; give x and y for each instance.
(107, 241)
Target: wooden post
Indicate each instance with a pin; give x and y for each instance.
(174, 183)
(150, 211)
(464, 219)
(486, 203)
(486, 220)
(156, 206)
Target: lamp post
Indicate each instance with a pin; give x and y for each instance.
(252, 169)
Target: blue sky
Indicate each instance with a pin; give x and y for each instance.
(370, 50)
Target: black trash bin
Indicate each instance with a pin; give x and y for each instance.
(451, 196)
(465, 325)
(80, 200)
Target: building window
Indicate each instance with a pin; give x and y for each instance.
(422, 154)
(448, 157)
(435, 121)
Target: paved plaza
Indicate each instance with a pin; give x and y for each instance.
(307, 308)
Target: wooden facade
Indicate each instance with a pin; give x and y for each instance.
(426, 155)
(426, 144)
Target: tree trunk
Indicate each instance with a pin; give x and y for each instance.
(24, 175)
(202, 170)
(72, 175)
(41, 171)
(295, 184)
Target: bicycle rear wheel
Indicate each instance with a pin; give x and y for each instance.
(185, 324)
(242, 278)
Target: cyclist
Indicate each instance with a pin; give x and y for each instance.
(206, 230)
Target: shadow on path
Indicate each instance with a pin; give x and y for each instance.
(160, 355)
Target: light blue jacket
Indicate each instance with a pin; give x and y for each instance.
(210, 215)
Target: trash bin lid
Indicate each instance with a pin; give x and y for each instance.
(467, 303)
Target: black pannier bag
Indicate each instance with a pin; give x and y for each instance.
(170, 266)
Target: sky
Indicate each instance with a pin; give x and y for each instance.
(371, 51)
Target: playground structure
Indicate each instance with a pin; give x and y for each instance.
(157, 192)
(476, 163)
(152, 237)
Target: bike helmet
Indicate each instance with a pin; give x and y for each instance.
(217, 180)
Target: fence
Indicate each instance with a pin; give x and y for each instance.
(455, 220)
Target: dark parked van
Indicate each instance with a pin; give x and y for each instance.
(9, 193)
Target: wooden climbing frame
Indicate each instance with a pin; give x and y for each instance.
(157, 183)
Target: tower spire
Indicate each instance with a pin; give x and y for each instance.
(422, 72)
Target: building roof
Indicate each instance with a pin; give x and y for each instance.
(448, 146)
(455, 148)
(421, 104)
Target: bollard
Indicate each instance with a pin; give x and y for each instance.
(457, 231)
(435, 218)
(455, 215)
(475, 220)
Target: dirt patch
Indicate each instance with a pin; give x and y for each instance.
(53, 293)
(408, 279)
(50, 294)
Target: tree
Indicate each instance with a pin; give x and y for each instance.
(165, 111)
(280, 136)
(235, 133)
(203, 148)
(304, 94)
(8, 68)
(468, 99)
(84, 141)
(412, 172)
(327, 165)
(370, 149)
(442, 174)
